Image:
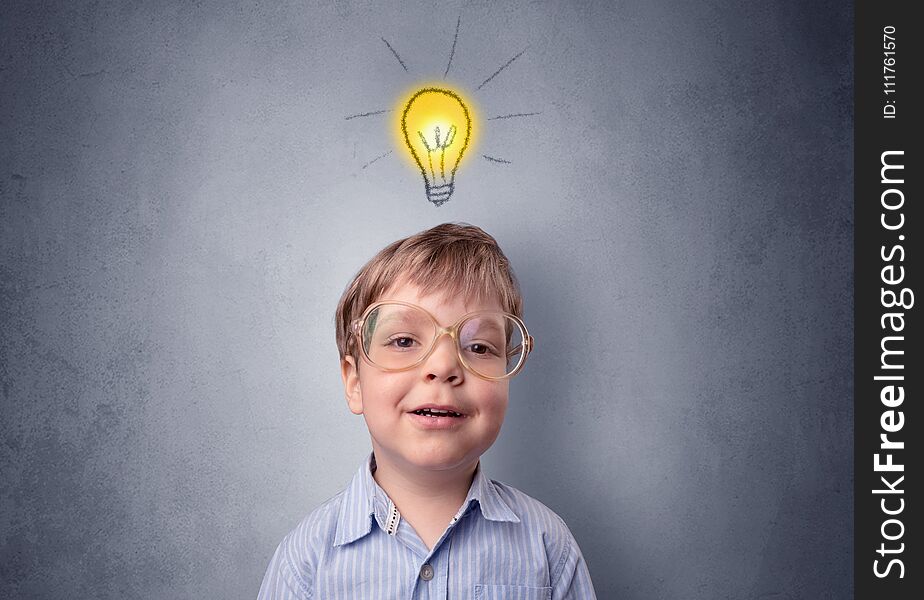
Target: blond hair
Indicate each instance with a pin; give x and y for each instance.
(456, 259)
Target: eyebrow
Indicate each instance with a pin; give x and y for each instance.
(490, 325)
(393, 316)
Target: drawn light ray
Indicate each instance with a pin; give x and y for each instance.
(393, 51)
(453, 51)
(368, 114)
(529, 114)
(377, 158)
(505, 65)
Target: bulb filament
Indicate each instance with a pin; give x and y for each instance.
(441, 146)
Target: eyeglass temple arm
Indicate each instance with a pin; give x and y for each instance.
(530, 346)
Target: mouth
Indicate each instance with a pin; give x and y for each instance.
(438, 412)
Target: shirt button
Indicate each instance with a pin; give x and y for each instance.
(426, 572)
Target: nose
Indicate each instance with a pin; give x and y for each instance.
(443, 363)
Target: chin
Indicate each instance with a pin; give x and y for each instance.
(441, 460)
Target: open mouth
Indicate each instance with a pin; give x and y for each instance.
(436, 413)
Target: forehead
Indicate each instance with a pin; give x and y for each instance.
(443, 306)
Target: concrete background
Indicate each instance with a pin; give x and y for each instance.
(182, 202)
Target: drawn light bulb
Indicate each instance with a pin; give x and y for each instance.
(437, 127)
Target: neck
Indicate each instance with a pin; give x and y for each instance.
(424, 492)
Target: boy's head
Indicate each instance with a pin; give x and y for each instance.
(458, 260)
(438, 414)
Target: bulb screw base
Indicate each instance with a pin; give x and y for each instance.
(438, 194)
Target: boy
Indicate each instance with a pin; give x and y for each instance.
(420, 518)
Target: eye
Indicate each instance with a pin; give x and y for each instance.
(401, 342)
(480, 349)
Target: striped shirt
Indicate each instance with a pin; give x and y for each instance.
(500, 545)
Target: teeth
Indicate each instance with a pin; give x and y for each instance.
(436, 412)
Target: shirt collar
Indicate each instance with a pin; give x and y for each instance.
(358, 506)
(485, 495)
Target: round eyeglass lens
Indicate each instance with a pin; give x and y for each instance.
(491, 344)
(395, 336)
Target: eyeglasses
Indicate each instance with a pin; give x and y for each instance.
(397, 336)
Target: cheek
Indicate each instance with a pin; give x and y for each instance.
(497, 402)
(384, 388)
(495, 412)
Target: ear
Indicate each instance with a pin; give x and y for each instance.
(349, 371)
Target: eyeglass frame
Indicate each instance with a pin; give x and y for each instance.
(529, 343)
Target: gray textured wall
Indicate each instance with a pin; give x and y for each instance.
(182, 202)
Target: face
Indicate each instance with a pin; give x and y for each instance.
(388, 401)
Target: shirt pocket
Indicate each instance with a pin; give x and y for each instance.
(511, 592)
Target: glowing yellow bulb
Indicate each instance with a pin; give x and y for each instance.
(437, 126)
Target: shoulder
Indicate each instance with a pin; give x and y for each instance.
(568, 571)
(315, 532)
(300, 551)
(538, 519)
(530, 511)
